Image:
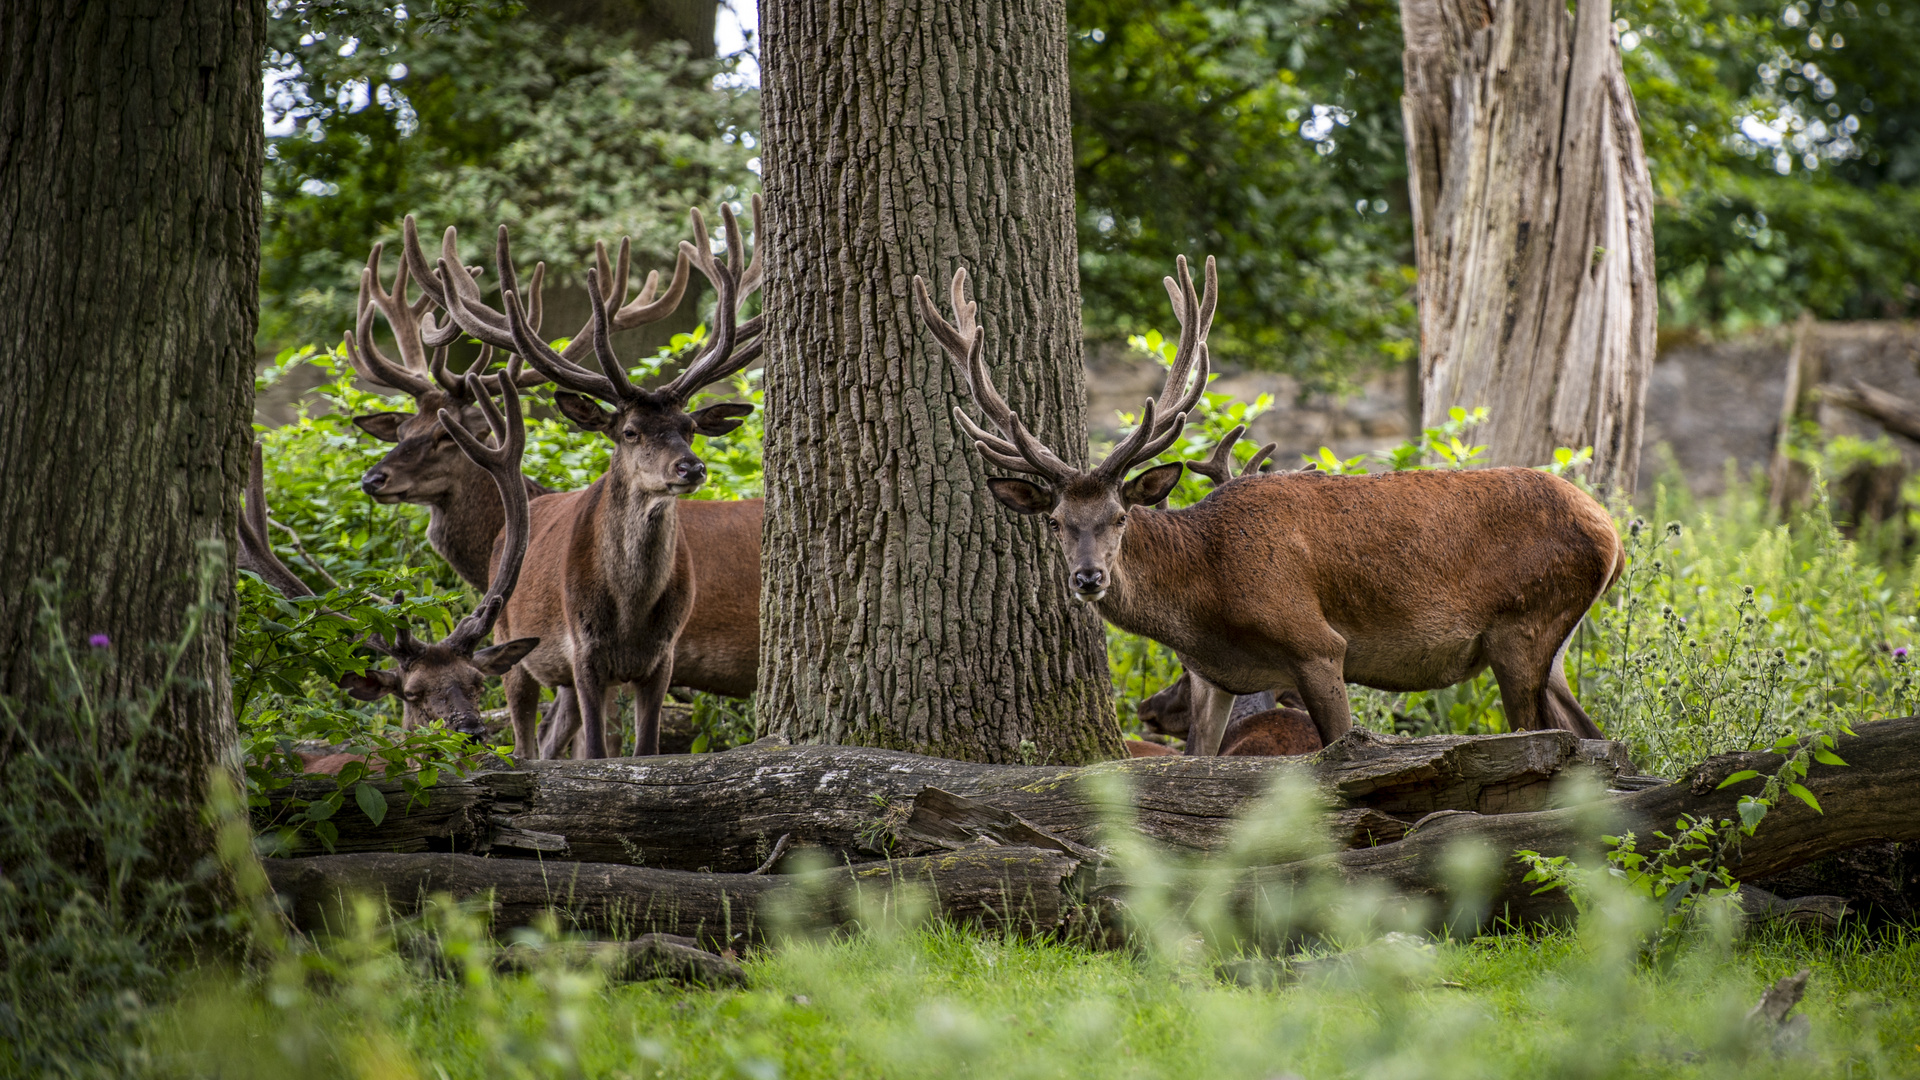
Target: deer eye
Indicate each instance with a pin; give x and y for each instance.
(1053, 524)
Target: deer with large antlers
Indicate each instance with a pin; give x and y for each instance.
(443, 680)
(1402, 581)
(611, 581)
(718, 650)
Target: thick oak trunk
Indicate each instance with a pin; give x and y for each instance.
(1533, 228)
(901, 606)
(726, 812)
(130, 156)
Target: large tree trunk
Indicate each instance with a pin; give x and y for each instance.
(130, 154)
(902, 607)
(1533, 228)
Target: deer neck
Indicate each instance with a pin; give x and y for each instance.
(638, 536)
(1156, 577)
(464, 522)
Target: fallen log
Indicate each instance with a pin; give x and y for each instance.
(1019, 889)
(1872, 799)
(724, 812)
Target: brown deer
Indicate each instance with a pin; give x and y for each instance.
(719, 648)
(612, 583)
(1401, 581)
(443, 680)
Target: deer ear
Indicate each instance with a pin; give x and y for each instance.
(1022, 497)
(720, 419)
(585, 412)
(384, 426)
(1153, 485)
(374, 685)
(498, 659)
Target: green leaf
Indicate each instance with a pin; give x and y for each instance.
(324, 809)
(1800, 792)
(1751, 811)
(372, 803)
(1743, 774)
(1827, 757)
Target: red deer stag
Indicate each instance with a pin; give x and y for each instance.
(443, 680)
(612, 583)
(1401, 581)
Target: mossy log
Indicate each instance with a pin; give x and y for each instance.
(724, 812)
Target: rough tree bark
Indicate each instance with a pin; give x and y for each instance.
(902, 607)
(1533, 228)
(130, 153)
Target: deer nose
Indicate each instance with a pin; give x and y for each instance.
(470, 725)
(1087, 581)
(690, 470)
(373, 480)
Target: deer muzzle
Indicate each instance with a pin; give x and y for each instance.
(1089, 584)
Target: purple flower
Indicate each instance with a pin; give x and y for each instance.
(100, 641)
(1901, 652)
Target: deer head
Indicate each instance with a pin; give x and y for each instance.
(1086, 509)
(425, 465)
(651, 430)
(443, 680)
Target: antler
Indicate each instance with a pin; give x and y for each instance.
(411, 375)
(964, 342)
(730, 352)
(1166, 415)
(502, 462)
(1219, 465)
(461, 297)
(256, 549)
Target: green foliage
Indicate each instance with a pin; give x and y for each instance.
(1265, 134)
(87, 927)
(474, 116)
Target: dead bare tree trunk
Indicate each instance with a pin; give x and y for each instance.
(1533, 228)
(901, 606)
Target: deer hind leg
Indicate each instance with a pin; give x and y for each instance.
(523, 709)
(563, 721)
(1562, 709)
(1533, 686)
(1322, 684)
(1207, 709)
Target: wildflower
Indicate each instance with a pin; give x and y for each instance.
(1634, 527)
(1900, 654)
(100, 641)
(1673, 528)
(1749, 589)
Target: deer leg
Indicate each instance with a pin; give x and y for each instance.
(563, 720)
(1207, 716)
(523, 708)
(1322, 684)
(590, 695)
(648, 696)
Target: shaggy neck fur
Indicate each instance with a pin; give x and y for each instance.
(1161, 557)
(464, 521)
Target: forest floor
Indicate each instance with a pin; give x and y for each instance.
(945, 1002)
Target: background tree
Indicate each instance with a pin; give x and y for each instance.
(901, 606)
(130, 150)
(571, 121)
(1533, 227)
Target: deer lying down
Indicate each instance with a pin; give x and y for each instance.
(1404, 581)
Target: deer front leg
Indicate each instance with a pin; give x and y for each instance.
(1207, 716)
(590, 697)
(523, 709)
(648, 696)
(563, 721)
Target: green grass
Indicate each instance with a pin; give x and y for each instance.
(945, 1002)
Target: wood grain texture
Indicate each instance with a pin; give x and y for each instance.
(724, 812)
(1533, 228)
(902, 607)
(130, 157)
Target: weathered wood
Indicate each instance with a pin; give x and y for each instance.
(649, 956)
(1871, 799)
(1533, 228)
(723, 812)
(1025, 890)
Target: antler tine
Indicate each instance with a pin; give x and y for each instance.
(1130, 449)
(402, 317)
(433, 332)
(610, 365)
(720, 359)
(1218, 467)
(750, 280)
(1195, 315)
(1260, 455)
(502, 462)
(367, 358)
(645, 308)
